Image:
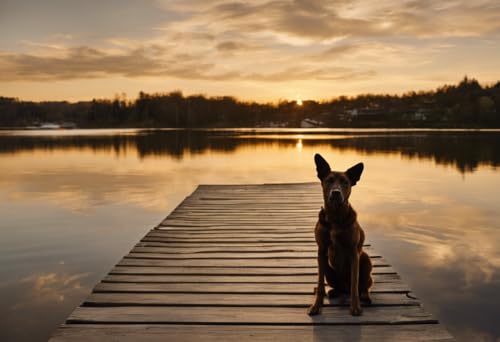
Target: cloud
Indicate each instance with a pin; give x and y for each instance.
(52, 287)
(260, 41)
(335, 51)
(324, 74)
(78, 62)
(321, 20)
(85, 62)
(231, 46)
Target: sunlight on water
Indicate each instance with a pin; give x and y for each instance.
(74, 202)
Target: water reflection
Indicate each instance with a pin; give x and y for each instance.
(464, 150)
(73, 203)
(50, 287)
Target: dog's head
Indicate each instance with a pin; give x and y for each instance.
(336, 185)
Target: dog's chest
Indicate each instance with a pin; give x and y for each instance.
(340, 250)
(340, 238)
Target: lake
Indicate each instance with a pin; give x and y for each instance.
(73, 202)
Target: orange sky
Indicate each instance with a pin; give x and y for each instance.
(261, 50)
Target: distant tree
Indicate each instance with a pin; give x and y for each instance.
(466, 104)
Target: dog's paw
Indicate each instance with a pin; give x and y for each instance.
(356, 311)
(313, 310)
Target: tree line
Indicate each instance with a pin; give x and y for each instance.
(466, 104)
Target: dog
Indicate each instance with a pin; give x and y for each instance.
(341, 259)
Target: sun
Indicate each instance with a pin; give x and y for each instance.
(299, 102)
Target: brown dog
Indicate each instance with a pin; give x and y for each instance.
(341, 259)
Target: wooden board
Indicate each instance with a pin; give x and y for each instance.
(235, 271)
(250, 315)
(211, 278)
(246, 333)
(234, 299)
(290, 288)
(238, 262)
(140, 260)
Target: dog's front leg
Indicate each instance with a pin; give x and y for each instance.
(320, 289)
(355, 306)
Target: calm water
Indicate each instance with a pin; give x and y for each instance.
(72, 203)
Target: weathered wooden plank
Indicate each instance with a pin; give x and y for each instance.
(308, 263)
(304, 221)
(285, 196)
(304, 214)
(270, 206)
(241, 300)
(241, 248)
(201, 226)
(207, 333)
(237, 271)
(389, 287)
(227, 230)
(245, 212)
(148, 254)
(223, 240)
(236, 224)
(229, 227)
(214, 256)
(251, 315)
(169, 248)
(284, 199)
(246, 229)
(257, 190)
(238, 235)
(259, 203)
(305, 279)
(221, 244)
(309, 200)
(221, 253)
(237, 192)
(260, 190)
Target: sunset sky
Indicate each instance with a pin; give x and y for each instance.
(261, 50)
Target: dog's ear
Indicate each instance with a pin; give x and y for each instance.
(354, 173)
(321, 166)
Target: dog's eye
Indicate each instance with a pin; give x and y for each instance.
(344, 182)
(328, 181)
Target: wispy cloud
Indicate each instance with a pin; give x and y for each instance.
(85, 62)
(260, 41)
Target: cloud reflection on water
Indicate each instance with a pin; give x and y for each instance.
(51, 287)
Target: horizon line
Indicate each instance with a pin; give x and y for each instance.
(124, 95)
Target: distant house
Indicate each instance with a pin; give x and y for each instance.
(310, 123)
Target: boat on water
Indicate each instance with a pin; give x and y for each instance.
(51, 125)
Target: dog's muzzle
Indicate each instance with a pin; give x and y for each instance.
(336, 197)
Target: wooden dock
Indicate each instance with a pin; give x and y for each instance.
(238, 263)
